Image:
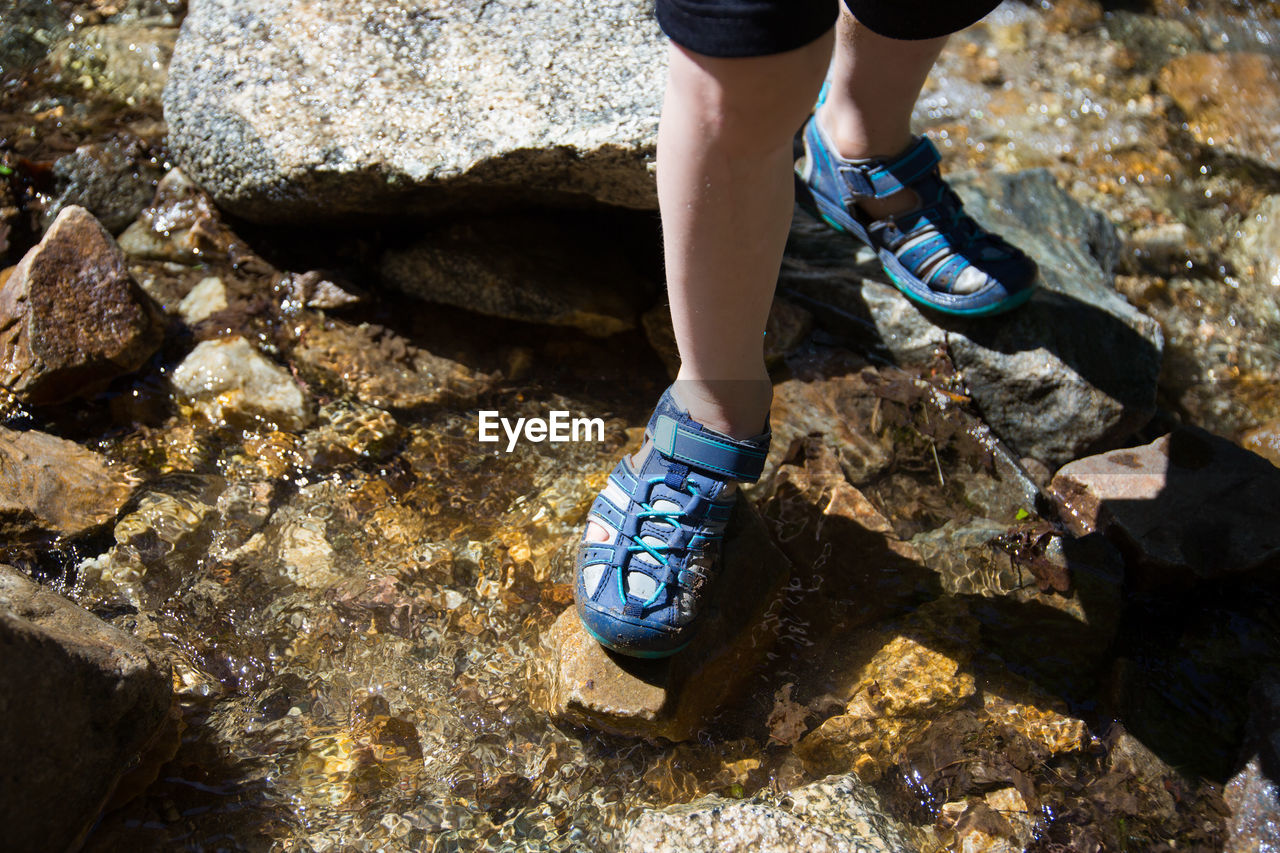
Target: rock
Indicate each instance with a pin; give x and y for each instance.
(1050, 605)
(181, 225)
(208, 297)
(912, 676)
(1071, 372)
(838, 814)
(1253, 797)
(53, 487)
(381, 368)
(71, 317)
(1256, 249)
(787, 326)
(543, 269)
(316, 289)
(28, 28)
(672, 698)
(127, 62)
(1264, 441)
(1231, 100)
(1189, 505)
(393, 105)
(228, 380)
(76, 693)
(160, 542)
(1253, 794)
(112, 182)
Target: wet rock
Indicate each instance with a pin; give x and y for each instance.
(1049, 605)
(208, 297)
(181, 225)
(53, 487)
(1254, 799)
(521, 102)
(838, 814)
(349, 431)
(787, 326)
(128, 62)
(76, 693)
(111, 181)
(160, 542)
(1256, 249)
(1071, 372)
(381, 368)
(1264, 441)
(911, 677)
(1190, 504)
(71, 317)
(28, 28)
(229, 379)
(1253, 794)
(544, 269)
(318, 289)
(1232, 100)
(672, 698)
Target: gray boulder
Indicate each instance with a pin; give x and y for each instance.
(286, 110)
(839, 814)
(1071, 372)
(80, 702)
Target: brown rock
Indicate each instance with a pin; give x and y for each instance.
(381, 368)
(1231, 100)
(80, 701)
(53, 487)
(1189, 502)
(671, 698)
(71, 317)
(1264, 441)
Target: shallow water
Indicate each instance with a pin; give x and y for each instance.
(357, 611)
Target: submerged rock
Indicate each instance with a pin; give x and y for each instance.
(80, 701)
(1071, 372)
(838, 814)
(111, 181)
(382, 369)
(1231, 99)
(53, 487)
(1253, 794)
(28, 28)
(1190, 504)
(125, 61)
(285, 111)
(672, 698)
(229, 379)
(71, 317)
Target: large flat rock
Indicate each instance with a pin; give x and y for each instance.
(80, 701)
(294, 110)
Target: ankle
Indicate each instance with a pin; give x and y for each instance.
(738, 408)
(850, 138)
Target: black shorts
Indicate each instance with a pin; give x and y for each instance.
(760, 27)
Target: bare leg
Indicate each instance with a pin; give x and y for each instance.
(875, 82)
(725, 189)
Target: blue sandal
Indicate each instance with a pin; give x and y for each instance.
(641, 593)
(937, 255)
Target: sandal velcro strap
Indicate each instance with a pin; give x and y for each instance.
(736, 460)
(880, 180)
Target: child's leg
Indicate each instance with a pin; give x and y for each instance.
(725, 187)
(875, 82)
(726, 191)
